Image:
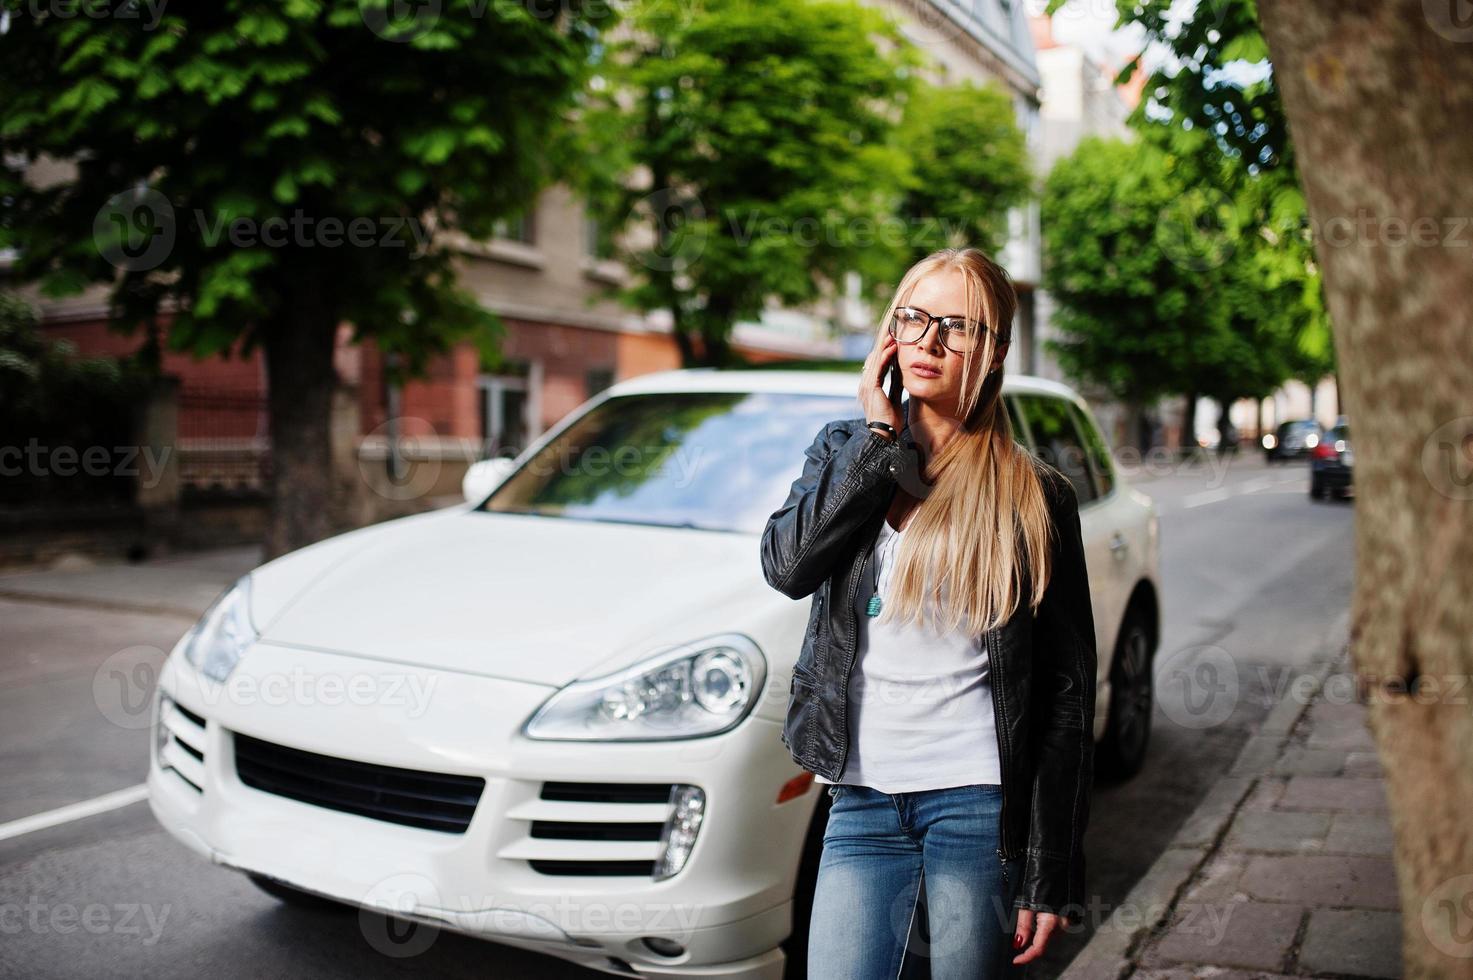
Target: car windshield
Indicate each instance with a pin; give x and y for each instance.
(720, 461)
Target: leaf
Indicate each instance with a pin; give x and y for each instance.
(285, 189)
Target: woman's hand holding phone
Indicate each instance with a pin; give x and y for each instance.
(882, 364)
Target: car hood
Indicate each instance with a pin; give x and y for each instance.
(538, 599)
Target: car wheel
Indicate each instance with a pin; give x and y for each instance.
(1122, 751)
(295, 897)
(1316, 487)
(795, 947)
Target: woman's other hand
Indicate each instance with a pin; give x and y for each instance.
(1034, 930)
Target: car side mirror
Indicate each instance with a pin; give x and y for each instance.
(483, 477)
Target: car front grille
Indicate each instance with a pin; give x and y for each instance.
(593, 829)
(183, 752)
(428, 800)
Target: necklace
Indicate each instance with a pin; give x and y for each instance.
(875, 604)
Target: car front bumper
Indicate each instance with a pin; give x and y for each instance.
(729, 907)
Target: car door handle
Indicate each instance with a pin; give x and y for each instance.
(1118, 544)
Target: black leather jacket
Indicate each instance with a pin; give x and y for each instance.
(1042, 664)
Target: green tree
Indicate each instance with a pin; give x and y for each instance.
(58, 410)
(969, 165)
(1168, 285)
(1133, 318)
(745, 155)
(271, 171)
(1214, 97)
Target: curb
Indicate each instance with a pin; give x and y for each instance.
(1109, 953)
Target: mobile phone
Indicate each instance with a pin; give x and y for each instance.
(896, 384)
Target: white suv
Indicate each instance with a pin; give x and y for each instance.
(551, 716)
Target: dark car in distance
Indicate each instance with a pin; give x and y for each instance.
(1295, 439)
(1332, 464)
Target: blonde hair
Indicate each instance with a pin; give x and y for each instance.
(982, 535)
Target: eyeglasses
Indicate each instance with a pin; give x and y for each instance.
(958, 334)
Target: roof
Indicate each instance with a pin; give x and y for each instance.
(999, 25)
(837, 383)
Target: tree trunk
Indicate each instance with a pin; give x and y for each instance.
(1379, 95)
(300, 379)
(1187, 443)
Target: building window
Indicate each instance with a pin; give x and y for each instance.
(505, 404)
(518, 228)
(598, 379)
(596, 240)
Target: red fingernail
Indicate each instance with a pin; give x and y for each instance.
(1017, 940)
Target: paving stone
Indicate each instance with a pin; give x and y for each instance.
(1326, 713)
(1279, 831)
(1266, 793)
(1217, 879)
(1205, 971)
(1206, 822)
(1364, 764)
(1322, 880)
(1360, 833)
(1252, 935)
(1342, 736)
(1333, 793)
(1258, 756)
(1355, 942)
(1299, 760)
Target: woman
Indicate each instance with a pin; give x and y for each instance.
(946, 694)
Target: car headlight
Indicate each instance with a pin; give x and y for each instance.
(223, 633)
(701, 688)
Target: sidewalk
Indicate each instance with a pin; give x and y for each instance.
(1284, 870)
(181, 585)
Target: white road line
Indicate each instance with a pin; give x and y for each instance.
(74, 811)
(1205, 497)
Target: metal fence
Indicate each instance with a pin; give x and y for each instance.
(224, 443)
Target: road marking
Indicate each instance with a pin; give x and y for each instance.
(1257, 484)
(1205, 497)
(74, 811)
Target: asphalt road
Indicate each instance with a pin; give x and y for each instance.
(1257, 580)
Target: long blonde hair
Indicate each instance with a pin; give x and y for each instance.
(982, 535)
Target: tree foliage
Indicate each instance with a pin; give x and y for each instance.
(747, 155)
(266, 172)
(1212, 128)
(969, 164)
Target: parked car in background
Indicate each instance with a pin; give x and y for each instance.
(1332, 464)
(1294, 439)
(551, 716)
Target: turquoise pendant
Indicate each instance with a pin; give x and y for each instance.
(873, 608)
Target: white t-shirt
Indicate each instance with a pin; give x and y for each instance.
(919, 702)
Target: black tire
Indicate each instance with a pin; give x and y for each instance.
(1316, 487)
(1122, 751)
(295, 897)
(795, 947)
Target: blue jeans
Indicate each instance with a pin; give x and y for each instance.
(876, 851)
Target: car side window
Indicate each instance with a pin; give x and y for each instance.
(1011, 404)
(1056, 440)
(1099, 452)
